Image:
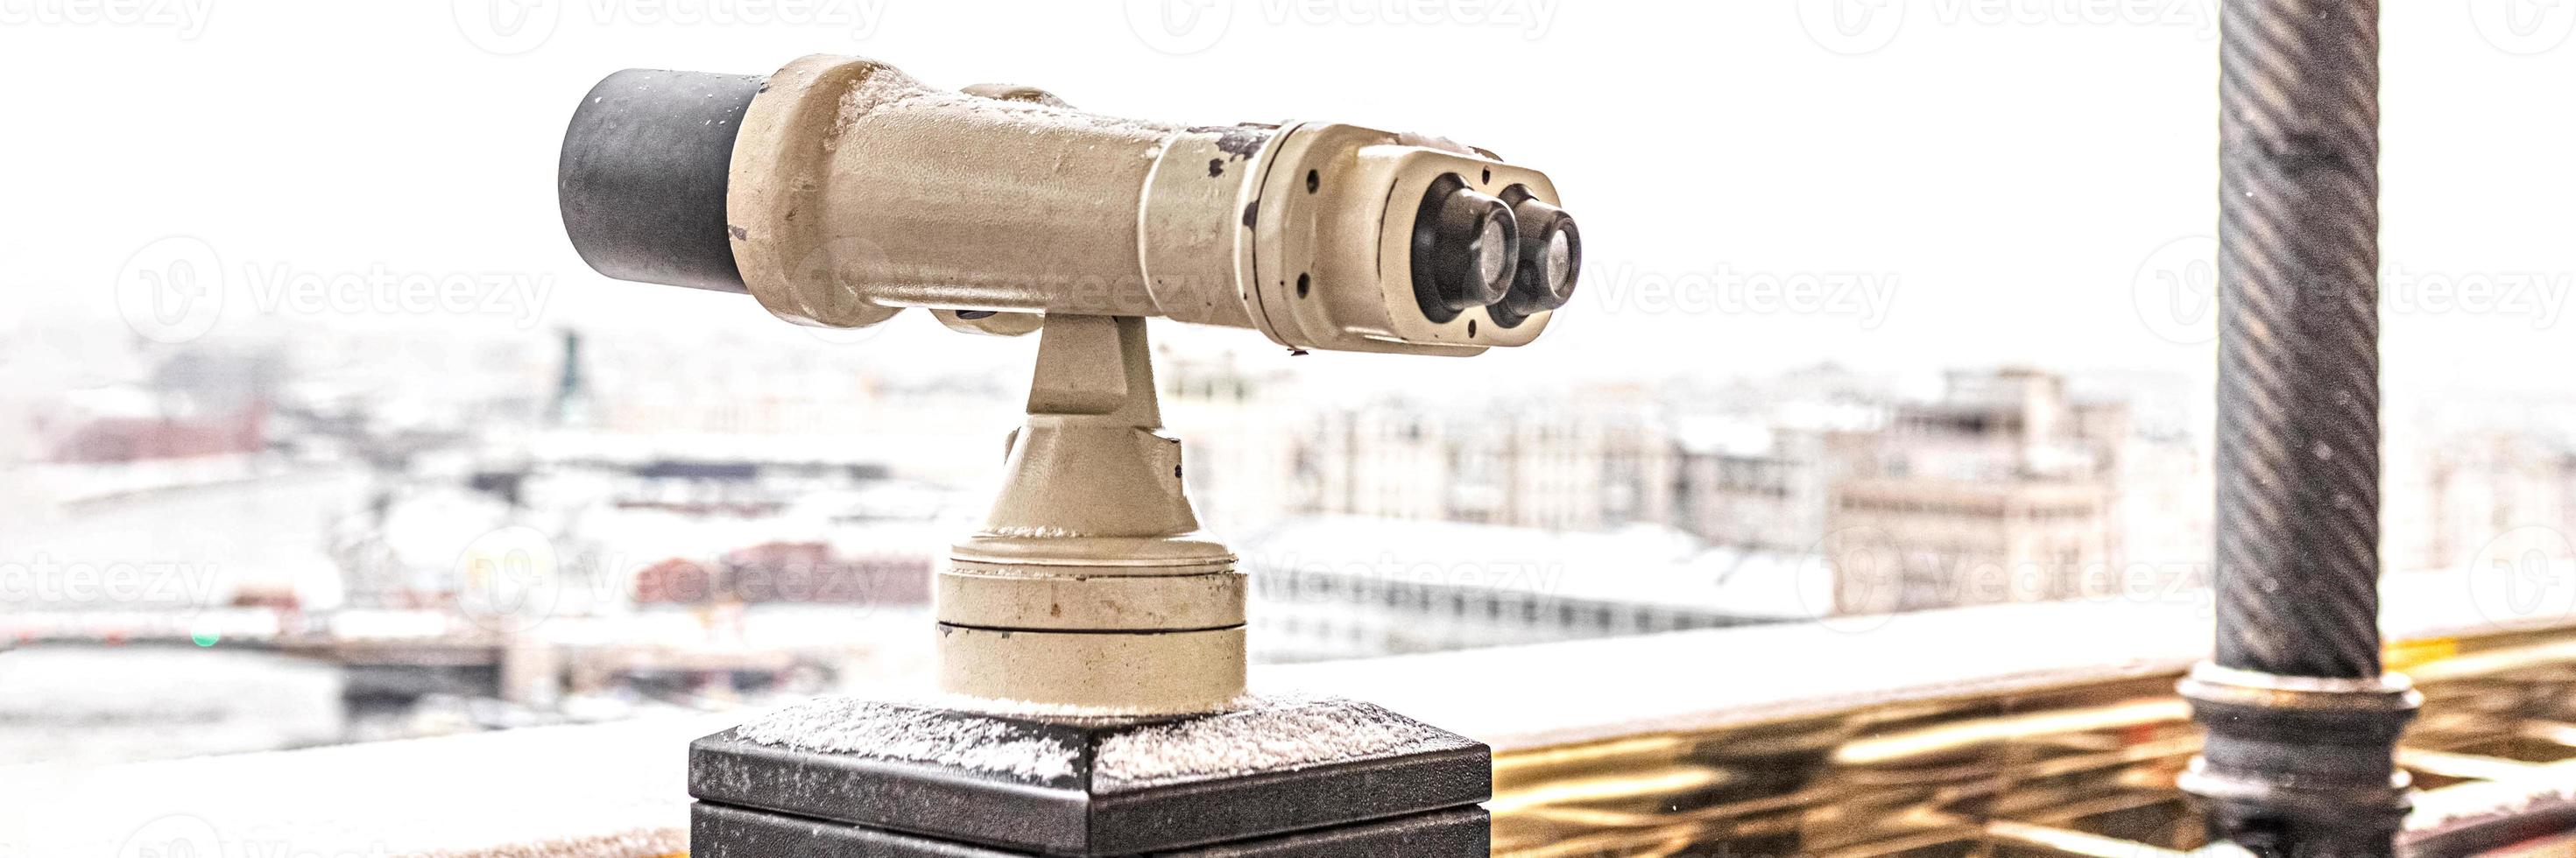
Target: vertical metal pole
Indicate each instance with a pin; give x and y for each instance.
(2301, 723)
(2298, 399)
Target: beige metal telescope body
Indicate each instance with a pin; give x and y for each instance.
(857, 191)
(849, 191)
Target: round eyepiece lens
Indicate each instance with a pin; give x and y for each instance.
(1564, 259)
(1466, 250)
(1550, 258)
(1560, 260)
(1494, 251)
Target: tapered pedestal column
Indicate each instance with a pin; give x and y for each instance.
(1091, 647)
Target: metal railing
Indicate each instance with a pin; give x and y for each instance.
(2083, 768)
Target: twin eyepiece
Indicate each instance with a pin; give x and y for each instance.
(1513, 254)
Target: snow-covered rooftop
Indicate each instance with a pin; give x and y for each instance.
(1647, 565)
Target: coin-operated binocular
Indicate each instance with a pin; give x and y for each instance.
(840, 191)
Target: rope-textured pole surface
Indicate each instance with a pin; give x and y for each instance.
(2300, 727)
(2298, 406)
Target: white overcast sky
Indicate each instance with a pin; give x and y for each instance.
(2001, 174)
